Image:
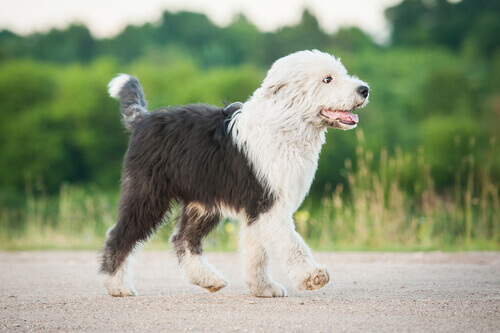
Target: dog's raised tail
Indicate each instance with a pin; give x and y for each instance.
(127, 89)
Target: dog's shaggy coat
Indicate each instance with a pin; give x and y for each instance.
(253, 161)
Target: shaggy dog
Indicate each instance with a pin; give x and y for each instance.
(253, 161)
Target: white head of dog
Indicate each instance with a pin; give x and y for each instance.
(281, 128)
(312, 87)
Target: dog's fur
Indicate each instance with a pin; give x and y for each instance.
(253, 161)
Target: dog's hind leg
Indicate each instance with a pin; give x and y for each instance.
(139, 215)
(196, 222)
(119, 281)
(256, 262)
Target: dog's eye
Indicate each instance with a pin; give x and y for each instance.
(327, 79)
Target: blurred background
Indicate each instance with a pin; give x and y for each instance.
(421, 171)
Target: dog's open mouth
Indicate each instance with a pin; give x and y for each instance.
(345, 117)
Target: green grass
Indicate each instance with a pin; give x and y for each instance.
(389, 203)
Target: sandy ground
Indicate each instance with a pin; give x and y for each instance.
(380, 292)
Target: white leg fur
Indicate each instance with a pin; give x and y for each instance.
(277, 234)
(120, 284)
(256, 262)
(198, 271)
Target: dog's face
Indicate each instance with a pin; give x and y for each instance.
(315, 86)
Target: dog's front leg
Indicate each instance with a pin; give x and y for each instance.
(256, 262)
(277, 235)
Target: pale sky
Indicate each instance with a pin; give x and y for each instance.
(106, 18)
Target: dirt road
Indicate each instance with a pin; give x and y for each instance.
(380, 292)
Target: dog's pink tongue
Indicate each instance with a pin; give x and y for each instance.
(354, 117)
(344, 116)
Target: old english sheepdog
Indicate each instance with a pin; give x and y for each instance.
(251, 161)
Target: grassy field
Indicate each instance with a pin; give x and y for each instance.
(387, 203)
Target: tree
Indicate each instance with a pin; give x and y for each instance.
(439, 22)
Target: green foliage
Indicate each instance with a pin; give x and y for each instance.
(58, 128)
(434, 94)
(74, 43)
(440, 22)
(420, 97)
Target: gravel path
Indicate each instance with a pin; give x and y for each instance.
(379, 292)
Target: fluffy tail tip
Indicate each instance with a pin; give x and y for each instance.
(116, 84)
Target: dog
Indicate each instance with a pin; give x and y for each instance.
(252, 161)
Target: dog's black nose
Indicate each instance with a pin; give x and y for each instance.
(363, 91)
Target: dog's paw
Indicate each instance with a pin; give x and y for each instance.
(315, 279)
(216, 287)
(271, 289)
(119, 288)
(123, 292)
(212, 283)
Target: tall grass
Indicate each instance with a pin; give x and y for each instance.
(389, 202)
(77, 218)
(393, 204)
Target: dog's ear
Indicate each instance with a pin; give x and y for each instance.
(281, 92)
(276, 88)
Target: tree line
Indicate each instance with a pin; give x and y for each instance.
(435, 88)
